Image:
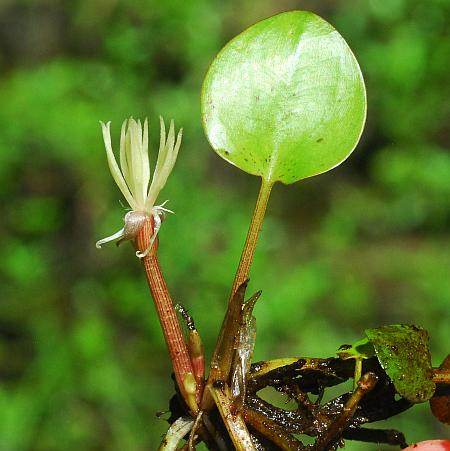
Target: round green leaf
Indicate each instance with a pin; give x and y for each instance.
(403, 352)
(285, 99)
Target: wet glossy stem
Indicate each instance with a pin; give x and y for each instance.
(252, 237)
(441, 376)
(365, 385)
(271, 430)
(166, 312)
(223, 353)
(235, 424)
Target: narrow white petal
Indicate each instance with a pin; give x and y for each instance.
(165, 164)
(123, 157)
(131, 160)
(140, 155)
(162, 152)
(128, 158)
(145, 159)
(113, 167)
(136, 143)
(178, 143)
(176, 148)
(171, 136)
(171, 157)
(162, 138)
(109, 239)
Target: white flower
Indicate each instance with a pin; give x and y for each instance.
(133, 176)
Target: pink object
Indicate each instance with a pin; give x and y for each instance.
(430, 445)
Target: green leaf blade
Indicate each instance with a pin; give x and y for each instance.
(402, 351)
(285, 99)
(362, 349)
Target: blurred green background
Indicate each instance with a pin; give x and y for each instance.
(82, 361)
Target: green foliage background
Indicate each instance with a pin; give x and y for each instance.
(82, 362)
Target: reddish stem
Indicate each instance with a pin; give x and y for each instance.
(166, 312)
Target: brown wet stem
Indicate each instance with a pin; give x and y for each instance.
(334, 433)
(235, 424)
(293, 421)
(271, 430)
(441, 376)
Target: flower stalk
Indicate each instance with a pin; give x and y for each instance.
(167, 315)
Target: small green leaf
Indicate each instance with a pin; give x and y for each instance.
(362, 349)
(285, 99)
(402, 351)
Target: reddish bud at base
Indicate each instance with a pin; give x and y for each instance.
(430, 445)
